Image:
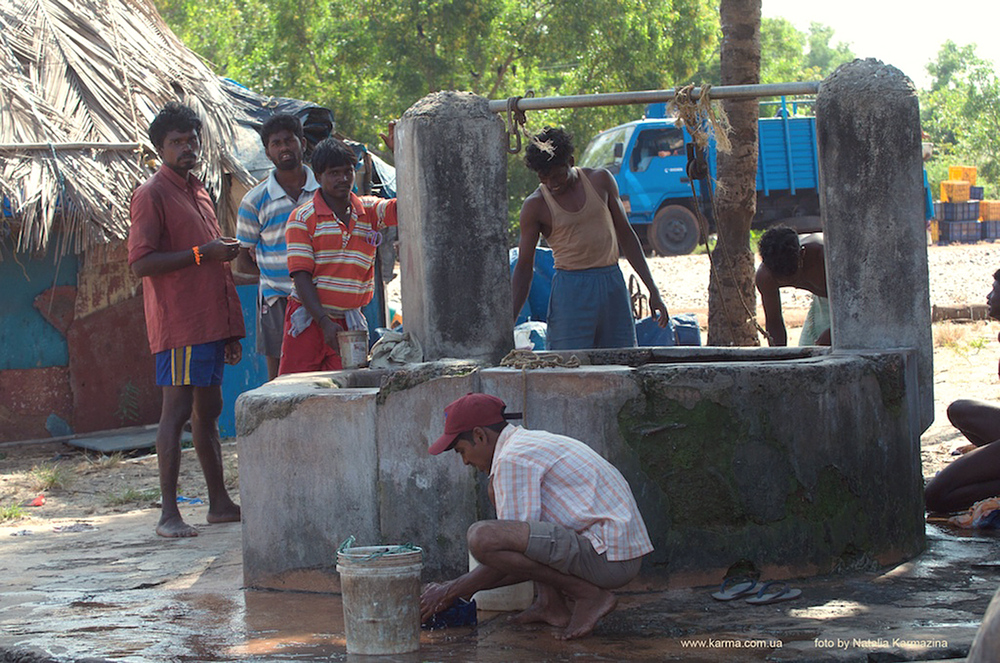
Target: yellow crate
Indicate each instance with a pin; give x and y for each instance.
(934, 230)
(966, 173)
(954, 191)
(989, 210)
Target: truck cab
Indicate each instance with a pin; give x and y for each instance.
(649, 159)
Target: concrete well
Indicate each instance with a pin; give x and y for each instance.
(785, 460)
(791, 461)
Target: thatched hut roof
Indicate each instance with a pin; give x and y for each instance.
(80, 81)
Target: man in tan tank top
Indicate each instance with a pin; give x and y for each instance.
(579, 213)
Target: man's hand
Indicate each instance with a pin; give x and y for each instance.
(659, 310)
(220, 249)
(330, 329)
(233, 352)
(389, 137)
(434, 599)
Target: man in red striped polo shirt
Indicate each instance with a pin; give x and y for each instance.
(331, 243)
(566, 519)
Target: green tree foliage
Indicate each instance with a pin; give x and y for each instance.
(370, 60)
(789, 55)
(823, 57)
(961, 115)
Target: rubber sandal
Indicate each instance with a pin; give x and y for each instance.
(734, 588)
(773, 592)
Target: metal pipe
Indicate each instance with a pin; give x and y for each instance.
(91, 145)
(654, 96)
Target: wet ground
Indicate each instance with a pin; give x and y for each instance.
(112, 591)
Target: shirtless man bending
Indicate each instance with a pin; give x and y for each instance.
(566, 519)
(788, 260)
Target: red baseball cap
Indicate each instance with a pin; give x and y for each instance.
(466, 413)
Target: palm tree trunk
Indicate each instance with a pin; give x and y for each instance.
(732, 300)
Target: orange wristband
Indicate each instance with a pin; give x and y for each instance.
(197, 255)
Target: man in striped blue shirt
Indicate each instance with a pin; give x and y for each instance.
(261, 229)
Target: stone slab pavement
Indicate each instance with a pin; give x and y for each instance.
(108, 589)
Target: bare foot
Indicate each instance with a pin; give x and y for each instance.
(175, 528)
(962, 449)
(553, 615)
(228, 514)
(587, 612)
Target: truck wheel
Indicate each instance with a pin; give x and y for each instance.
(674, 231)
(643, 233)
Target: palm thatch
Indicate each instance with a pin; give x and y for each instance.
(80, 81)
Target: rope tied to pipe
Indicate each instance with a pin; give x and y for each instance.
(705, 120)
(516, 119)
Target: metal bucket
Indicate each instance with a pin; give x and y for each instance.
(353, 348)
(381, 594)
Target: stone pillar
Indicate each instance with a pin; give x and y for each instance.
(871, 195)
(452, 184)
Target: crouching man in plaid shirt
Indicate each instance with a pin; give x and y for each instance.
(566, 519)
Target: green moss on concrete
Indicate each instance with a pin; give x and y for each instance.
(255, 410)
(412, 376)
(824, 501)
(891, 374)
(687, 452)
(326, 383)
(702, 515)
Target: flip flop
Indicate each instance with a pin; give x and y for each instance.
(734, 588)
(773, 592)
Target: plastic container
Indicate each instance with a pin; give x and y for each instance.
(967, 173)
(960, 231)
(989, 210)
(381, 593)
(503, 599)
(353, 348)
(967, 211)
(990, 229)
(954, 191)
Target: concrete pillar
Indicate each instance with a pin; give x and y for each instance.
(308, 479)
(452, 185)
(871, 194)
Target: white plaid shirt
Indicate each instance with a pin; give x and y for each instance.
(540, 476)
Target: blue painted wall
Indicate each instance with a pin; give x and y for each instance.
(251, 372)
(27, 340)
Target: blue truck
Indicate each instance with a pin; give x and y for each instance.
(649, 157)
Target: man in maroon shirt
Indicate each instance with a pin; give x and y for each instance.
(193, 315)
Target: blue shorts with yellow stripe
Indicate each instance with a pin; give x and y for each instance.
(192, 365)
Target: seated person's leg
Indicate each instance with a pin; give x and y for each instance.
(973, 477)
(978, 420)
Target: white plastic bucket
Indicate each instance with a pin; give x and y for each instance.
(353, 348)
(503, 599)
(381, 594)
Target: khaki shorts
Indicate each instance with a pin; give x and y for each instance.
(568, 552)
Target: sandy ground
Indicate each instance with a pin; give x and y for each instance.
(76, 486)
